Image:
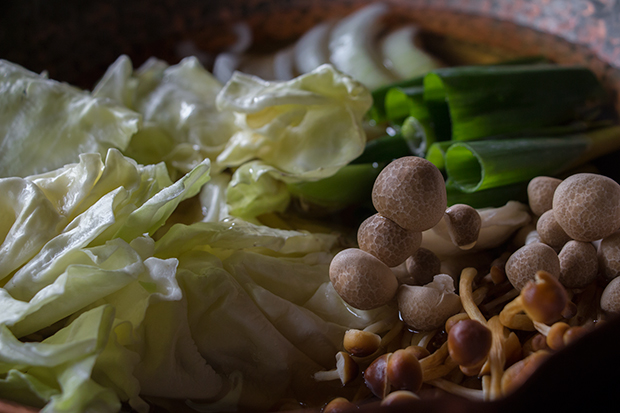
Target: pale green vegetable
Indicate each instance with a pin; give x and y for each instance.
(406, 59)
(45, 124)
(265, 286)
(353, 47)
(57, 370)
(182, 126)
(100, 313)
(255, 189)
(308, 127)
(104, 300)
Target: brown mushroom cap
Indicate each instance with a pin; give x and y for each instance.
(587, 206)
(550, 232)
(609, 256)
(411, 192)
(363, 281)
(340, 405)
(428, 307)
(375, 376)
(387, 240)
(361, 343)
(463, 224)
(540, 193)
(610, 299)
(578, 264)
(399, 398)
(422, 266)
(518, 373)
(469, 342)
(523, 264)
(544, 298)
(404, 371)
(418, 352)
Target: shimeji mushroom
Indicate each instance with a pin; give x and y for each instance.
(375, 376)
(540, 192)
(518, 373)
(610, 299)
(523, 264)
(543, 300)
(404, 371)
(361, 343)
(386, 240)
(469, 343)
(411, 192)
(609, 256)
(345, 371)
(578, 264)
(339, 405)
(399, 398)
(428, 307)
(550, 231)
(361, 279)
(464, 225)
(422, 266)
(587, 206)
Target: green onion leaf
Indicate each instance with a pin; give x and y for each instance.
(351, 185)
(478, 165)
(481, 101)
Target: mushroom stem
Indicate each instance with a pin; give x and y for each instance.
(382, 325)
(392, 333)
(511, 316)
(542, 328)
(467, 298)
(497, 358)
(437, 364)
(451, 387)
(510, 295)
(424, 338)
(346, 370)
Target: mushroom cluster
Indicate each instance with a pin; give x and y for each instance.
(410, 197)
(578, 218)
(478, 333)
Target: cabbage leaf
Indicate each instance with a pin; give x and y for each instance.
(46, 124)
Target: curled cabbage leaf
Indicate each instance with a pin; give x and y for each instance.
(308, 127)
(45, 124)
(182, 125)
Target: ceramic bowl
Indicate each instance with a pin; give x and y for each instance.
(76, 40)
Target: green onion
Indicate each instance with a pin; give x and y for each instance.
(384, 149)
(481, 101)
(377, 111)
(436, 154)
(492, 197)
(478, 165)
(351, 185)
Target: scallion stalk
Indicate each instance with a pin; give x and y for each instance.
(351, 185)
(476, 102)
(491, 197)
(478, 165)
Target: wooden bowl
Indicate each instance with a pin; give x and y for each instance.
(76, 40)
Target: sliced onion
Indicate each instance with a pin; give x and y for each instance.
(403, 56)
(244, 38)
(353, 47)
(284, 64)
(311, 50)
(224, 66)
